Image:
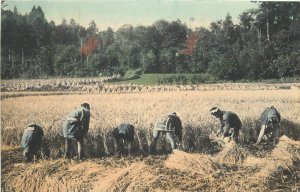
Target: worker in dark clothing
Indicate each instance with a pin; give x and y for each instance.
(230, 124)
(269, 125)
(169, 126)
(31, 141)
(76, 127)
(124, 135)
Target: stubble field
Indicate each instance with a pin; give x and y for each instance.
(200, 166)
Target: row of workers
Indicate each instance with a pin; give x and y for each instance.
(76, 126)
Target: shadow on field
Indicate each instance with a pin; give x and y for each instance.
(290, 129)
(10, 156)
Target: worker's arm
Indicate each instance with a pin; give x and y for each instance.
(261, 134)
(85, 120)
(178, 129)
(221, 127)
(226, 129)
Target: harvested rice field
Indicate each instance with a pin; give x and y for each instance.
(199, 165)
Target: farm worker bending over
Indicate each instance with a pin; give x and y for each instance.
(76, 127)
(170, 126)
(230, 124)
(31, 141)
(123, 134)
(269, 125)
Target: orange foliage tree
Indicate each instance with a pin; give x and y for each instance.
(88, 48)
(190, 44)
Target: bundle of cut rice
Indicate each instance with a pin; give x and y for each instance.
(193, 163)
(232, 154)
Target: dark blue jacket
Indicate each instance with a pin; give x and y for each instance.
(170, 123)
(270, 114)
(32, 138)
(124, 131)
(77, 123)
(229, 120)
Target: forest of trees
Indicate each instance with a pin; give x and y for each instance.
(265, 44)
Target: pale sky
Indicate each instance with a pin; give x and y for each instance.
(115, 13)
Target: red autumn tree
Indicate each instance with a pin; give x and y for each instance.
(88, 48)
(190, 44)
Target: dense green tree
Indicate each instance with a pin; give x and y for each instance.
(92, 30)
(264, 44)
(66, 60)
(204, 51)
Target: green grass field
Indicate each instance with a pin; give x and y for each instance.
(188, 78)
(159, 78)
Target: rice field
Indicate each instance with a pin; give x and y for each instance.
(142, 109)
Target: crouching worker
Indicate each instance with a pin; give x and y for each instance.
(269, 125)
(31, 142)
(124, 135)
(75, 128)
(230, 124)
(169, 126)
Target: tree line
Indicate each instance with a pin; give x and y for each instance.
(264, 44)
